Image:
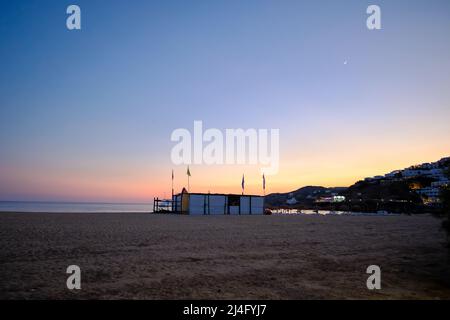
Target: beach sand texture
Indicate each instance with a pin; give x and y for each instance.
(144, 256)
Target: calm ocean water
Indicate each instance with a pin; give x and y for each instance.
(73, 207)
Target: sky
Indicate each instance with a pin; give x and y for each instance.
(87, 115)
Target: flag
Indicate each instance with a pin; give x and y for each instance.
(243, 182)
(172, 184)
(264, 182)
(188, 172)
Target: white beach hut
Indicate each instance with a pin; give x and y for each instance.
(217, 204)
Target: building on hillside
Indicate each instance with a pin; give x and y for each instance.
(431, 193)
(393, 174)
(333, 199)
(440, 183)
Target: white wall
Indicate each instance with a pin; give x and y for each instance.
(245, 205)
(217, 204)
(196, 204)
(257, 205)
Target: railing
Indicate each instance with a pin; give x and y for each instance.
(166, 206)
(162, 205)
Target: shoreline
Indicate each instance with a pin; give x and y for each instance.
(354, 214)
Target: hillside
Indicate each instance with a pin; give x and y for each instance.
(303, 196)
(415, 186)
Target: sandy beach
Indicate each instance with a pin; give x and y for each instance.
(143, 256)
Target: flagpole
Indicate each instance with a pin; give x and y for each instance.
(264, 185)
(188, 172)
(172, 184)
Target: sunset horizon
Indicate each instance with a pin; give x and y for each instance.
(141, 191)
(102, 102)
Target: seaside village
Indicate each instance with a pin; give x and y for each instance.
(415, 189)
(427, 179)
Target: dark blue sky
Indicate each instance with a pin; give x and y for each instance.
(88, 114)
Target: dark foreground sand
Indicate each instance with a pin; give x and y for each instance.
(142, 256)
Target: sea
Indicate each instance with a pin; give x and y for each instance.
(71, 207)
(100, 207)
